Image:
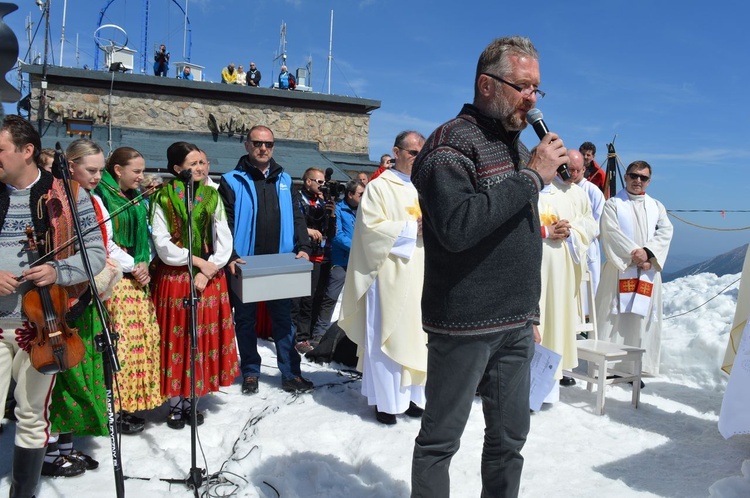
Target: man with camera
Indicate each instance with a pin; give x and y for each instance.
(161, 61)
(314, 200)
(346, 215)
(380, 311)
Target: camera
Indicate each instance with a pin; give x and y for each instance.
(332, 190)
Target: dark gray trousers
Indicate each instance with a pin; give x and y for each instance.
(498, 366)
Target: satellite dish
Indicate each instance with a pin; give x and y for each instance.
(110, 38)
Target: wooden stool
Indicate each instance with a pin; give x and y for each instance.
(603, 356)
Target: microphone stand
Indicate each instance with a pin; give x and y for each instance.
(103, 341)
(195, 478)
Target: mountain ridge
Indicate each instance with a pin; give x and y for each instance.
(727, 263)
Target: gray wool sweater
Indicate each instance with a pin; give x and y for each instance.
(15, 260)
(483, 247)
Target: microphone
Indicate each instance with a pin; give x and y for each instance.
(59, 162)
(536, 119)
(185, 175)
(329, 173)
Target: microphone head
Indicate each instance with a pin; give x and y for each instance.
(57, 164)
(533, 116)
(329, 173)
(185, 175)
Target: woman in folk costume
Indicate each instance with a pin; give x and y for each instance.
(130, 307)
(79, 398)
(216, 364)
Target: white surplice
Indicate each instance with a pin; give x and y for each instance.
(562, 262)
(381, 304)
(654, 233)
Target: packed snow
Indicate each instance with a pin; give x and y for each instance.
(328, 444)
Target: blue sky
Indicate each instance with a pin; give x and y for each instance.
(668, 78)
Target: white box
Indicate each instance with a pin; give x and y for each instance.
(271, 276)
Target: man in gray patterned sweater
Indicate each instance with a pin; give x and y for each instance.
(32, 197)
(478, 188)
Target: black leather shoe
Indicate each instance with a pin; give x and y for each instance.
(250, 385)
(413, 410)
(186, 416)
(567, 381)
(385, 418)
(173, 420)
(642, 384)
(63, 466)
(127, 425)
(297, 385)
(88, 462)
(133, 419)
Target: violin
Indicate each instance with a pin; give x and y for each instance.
(56, 347)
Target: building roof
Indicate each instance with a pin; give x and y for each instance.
(351, 162)
(223, 151)
(227, 93)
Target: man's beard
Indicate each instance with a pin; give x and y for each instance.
(504, 111)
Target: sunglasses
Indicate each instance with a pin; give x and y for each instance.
(636, 176)
(319, 182)
(259, 143)
(412, 153)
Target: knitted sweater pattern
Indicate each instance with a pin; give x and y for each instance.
(482, 240)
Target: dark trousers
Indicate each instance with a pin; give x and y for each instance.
(287, 357)
(333, 289)
(302, 308)
(498, 365)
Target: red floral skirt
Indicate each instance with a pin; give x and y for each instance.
(216, 358)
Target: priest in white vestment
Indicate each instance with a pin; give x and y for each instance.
(381, 306)
(596, 199)
(567, 231)
(635, 238)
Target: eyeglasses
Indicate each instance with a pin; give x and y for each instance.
(412, 153)
(526, 92)
(319, 182)
(259, 143)
(636, 176)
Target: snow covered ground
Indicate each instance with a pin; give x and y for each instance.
(327, 444)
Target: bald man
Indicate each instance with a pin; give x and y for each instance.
(596, 198)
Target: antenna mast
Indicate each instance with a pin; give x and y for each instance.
(330, 53)
(184, 34)
(62, 32)
(43, 93)
(282, 44)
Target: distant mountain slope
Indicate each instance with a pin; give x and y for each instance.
(723, 264)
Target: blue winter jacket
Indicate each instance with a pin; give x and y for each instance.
(342, 242)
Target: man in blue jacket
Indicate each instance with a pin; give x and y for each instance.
(257, 196)
(346, 215)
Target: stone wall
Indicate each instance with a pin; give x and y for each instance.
(332, 130)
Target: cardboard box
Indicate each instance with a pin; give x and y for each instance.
(271, 276)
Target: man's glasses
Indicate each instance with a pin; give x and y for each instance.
(319, 182)
(526, 92)
(259, 143)
(636, 176)
(412, 153)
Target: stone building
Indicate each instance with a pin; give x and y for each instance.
(149, 113)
